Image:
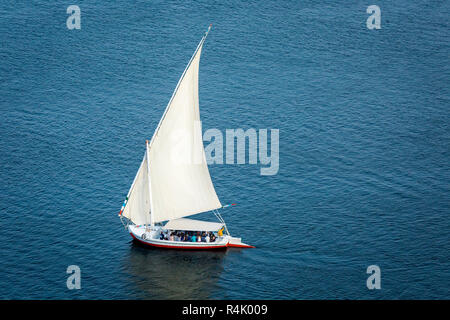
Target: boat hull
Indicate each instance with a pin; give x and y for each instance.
(178, 245)
(137, 233)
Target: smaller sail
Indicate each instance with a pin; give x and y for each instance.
(137, 207)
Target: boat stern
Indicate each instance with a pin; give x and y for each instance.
(237, 243)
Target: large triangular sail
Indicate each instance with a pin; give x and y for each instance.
(173, 179)
(180, 183)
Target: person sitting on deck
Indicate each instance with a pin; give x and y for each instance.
(199, 237)
(161, 236)
(220, 232)
(203, 237)
(194, 238)
(207, 238)
(171, 238)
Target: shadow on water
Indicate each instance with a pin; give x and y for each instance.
(173, 274)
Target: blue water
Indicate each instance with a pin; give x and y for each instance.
(364, 120)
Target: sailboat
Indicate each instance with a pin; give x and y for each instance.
(173, 180)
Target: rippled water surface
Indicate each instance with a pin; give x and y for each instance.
(364, 146)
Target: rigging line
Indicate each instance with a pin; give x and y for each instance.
(219, 216)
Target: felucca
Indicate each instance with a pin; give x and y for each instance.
(169, 186)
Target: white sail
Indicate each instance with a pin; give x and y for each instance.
(180, 183)
(137, 207)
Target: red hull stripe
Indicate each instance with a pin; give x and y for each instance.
(239, 245)
(177, 247)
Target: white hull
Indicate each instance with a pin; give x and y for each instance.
(150, 237)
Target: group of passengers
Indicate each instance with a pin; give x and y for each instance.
(188, 236)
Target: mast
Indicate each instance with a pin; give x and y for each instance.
(149, 184)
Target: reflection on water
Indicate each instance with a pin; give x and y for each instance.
(173, 274)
